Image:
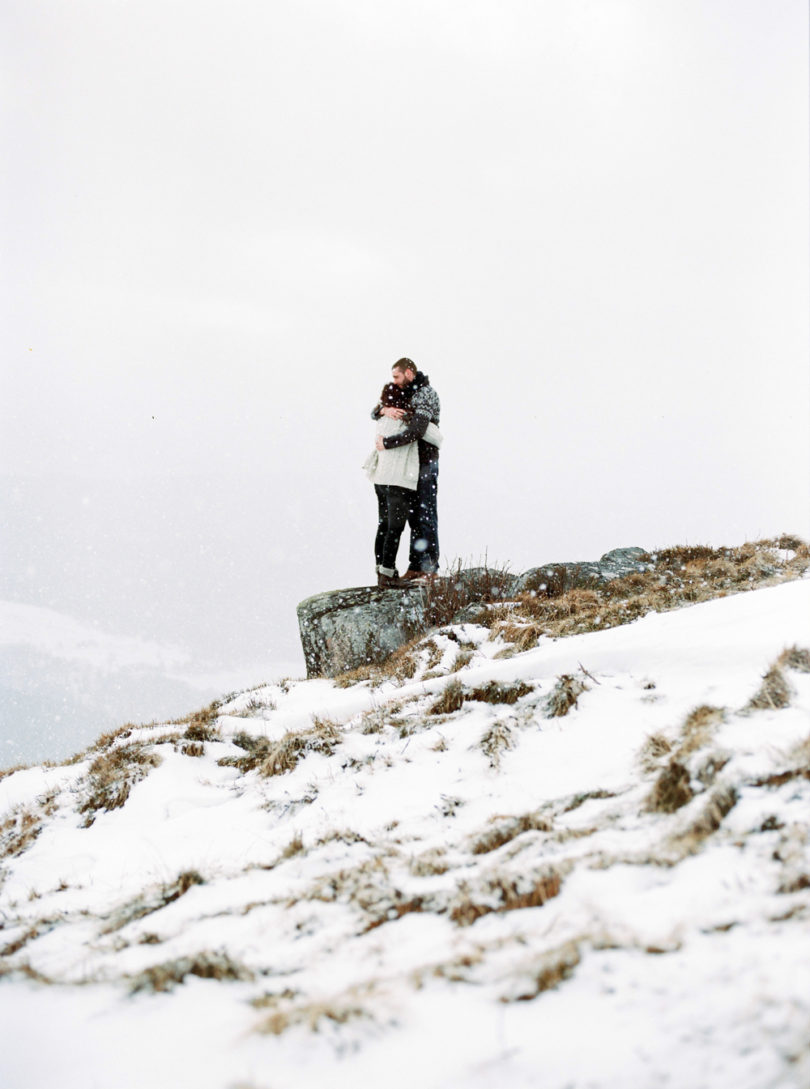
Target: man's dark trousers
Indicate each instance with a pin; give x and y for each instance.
(423, 519)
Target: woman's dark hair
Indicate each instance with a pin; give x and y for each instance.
(393, 397)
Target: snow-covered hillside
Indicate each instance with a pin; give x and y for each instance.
(439, 882)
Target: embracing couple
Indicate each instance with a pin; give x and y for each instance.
(404, 469)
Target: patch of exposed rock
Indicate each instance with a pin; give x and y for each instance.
(344, 629)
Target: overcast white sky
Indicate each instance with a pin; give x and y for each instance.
(586, 220)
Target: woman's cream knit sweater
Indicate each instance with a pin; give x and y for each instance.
(400, 466)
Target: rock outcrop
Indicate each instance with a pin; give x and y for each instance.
(344, 629)
(553, 579)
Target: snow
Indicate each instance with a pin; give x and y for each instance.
(381, 938)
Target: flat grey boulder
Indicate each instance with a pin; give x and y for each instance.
(343, 629)
(553, 579)
(624, 561)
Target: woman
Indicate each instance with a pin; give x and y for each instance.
(395, 475)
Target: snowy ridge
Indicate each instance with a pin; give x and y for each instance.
(434, 882)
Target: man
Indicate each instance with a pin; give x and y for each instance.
(423, 517)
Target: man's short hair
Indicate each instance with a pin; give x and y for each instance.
(405, 364)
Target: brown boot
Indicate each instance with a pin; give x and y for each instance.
(389, 582)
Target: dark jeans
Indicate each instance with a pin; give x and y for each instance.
(423, 518)
(393, 511)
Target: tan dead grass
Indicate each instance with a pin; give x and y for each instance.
(698, 728)
(112, 776)
(653, 750)
(17, 767)
(400, 666)
(499, 692)
(293, 848)
(773, 694)
(679, 576)
(201, 731)
(435, 653)
(707, 821)
(205, 717)
(496, 740)
(672, 789)
(522, 634)
(505, 829)
(19, 830)
(121, 733)
(277, 757)
(587, 796)
(462, 659)
(21, 941)
(798, 767)
(445, 597)
(191, 748)
(205, 965)
(547, 971)
(342, 1009)
(502, 893)
(450, 700)
(455, 693)
(150, 902)
(797, 658)
(430, 864)
(564, 695)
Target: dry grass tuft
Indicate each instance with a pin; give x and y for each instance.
(430, 864)
(17, 767)
(20, 942)
(400, 666)
(671, 790)
(521, 634)
(547, 972)
(277, 757)
(720, 802)
(653, 750)
(507, 894)
(450, 700)
(148, 904)
(294, 847)
(434, 653)
(104, 741)
(698, 728)
(797, 658)
(497, 739)
(508, 828)
(112, 776)
(205, 717)
(164, 977)
(315, 1016)
(201, 731)
(191, 748)
(564, 695)
(587, 796)
(463, 659)
(773, 694)
(495, 692)
(396, 911)
(448, 595)
(19, 830)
